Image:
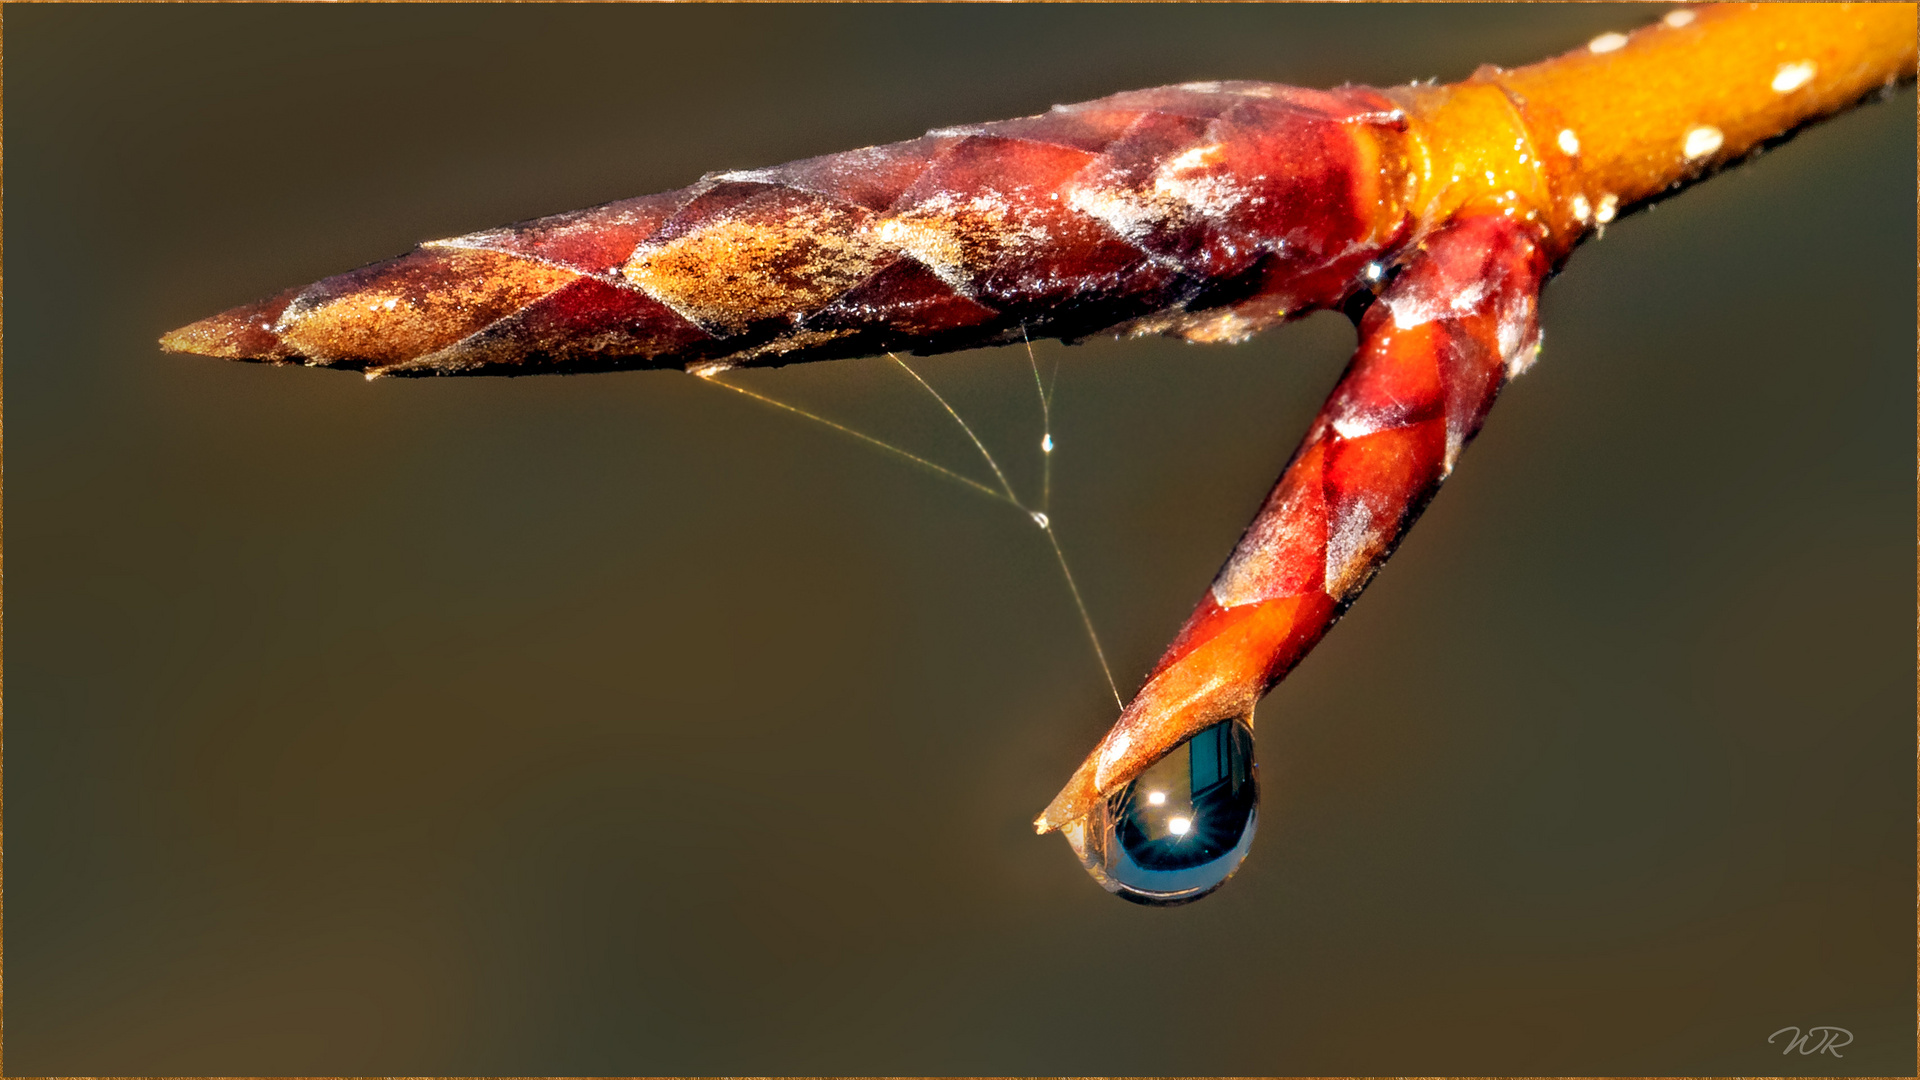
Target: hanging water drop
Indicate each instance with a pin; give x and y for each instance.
(1046, 443)
(1181, 828)
(1041, 519)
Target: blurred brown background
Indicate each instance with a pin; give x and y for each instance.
(615, 724)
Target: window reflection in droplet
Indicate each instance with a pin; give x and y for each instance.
(1182, 827)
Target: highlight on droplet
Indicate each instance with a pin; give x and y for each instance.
(1180, 828)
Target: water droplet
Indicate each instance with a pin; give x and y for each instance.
(1701, 141)
(1609, 206)
(1046, 443)
(1569, 142)
(1792, 77)
(1581, 209)
(1677, 18)
(1182, 827)
(1607, 43)
(1041, 519)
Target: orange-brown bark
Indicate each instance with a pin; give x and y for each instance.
(1585, 135)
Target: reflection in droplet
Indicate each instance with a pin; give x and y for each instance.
(1182, 827)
